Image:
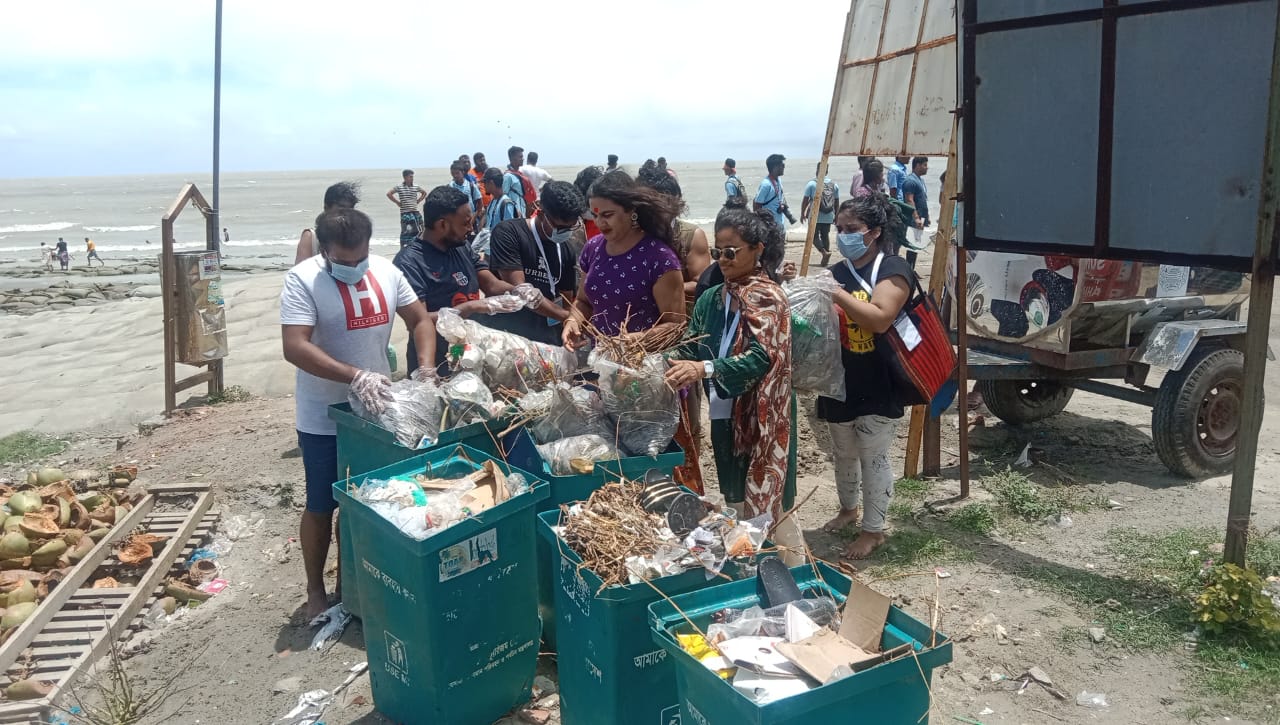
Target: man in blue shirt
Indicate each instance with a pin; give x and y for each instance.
(462, 182)
(897, 175)
(827, 203)
(913, 192)
(769, 195)
(735, 192)
(512, 184)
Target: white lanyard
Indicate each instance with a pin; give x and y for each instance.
(875, 274)
(730, 326)
(542, 252)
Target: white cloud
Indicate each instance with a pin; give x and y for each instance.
(119, 86)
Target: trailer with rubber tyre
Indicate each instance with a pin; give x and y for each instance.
(1036, 336)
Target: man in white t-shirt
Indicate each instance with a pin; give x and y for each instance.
(535, 173)
(336, 317)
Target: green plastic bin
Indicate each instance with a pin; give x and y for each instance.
(450, 629)
(891, 692)
(365, 446)
(611, 672)
(567, 489)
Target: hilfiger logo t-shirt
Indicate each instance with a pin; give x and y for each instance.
(364, 302)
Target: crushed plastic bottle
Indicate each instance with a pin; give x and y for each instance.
(1092, 700)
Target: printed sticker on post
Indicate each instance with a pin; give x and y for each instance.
(464, 556)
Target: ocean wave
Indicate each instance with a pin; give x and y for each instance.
(138, 228)
(51, 227)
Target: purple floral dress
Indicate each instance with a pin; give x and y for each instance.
(618, 285)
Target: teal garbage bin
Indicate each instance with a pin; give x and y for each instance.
(891, 692)
(450, 626)
(365, 446)
(567, 489)
(611, 672)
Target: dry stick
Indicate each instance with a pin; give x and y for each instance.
(933, 620)
(928, 688)
(788, 514)
(679, 611)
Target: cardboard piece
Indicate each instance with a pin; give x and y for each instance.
(759, 655)
(491, 487)
(856, 645)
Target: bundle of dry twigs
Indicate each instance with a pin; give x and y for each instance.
(631, 348)
(612, 526)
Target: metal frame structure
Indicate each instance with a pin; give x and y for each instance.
(213, 373)
(1266, 242)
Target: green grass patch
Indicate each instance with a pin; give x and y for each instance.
(911, 489)
(915, 549)
(1019, 496)
(28, 445)
(230, 394)
(975, 518)
(1238, 672)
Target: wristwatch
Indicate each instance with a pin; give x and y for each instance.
(708, 369)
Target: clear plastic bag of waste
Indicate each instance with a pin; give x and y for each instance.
(644, 410)
(816, 365)
(503, 359)
(413, 413)
(575, 455)
(570, 410)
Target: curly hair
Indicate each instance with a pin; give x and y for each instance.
(658, 180)
(655, 212)
(586, 178)
(562, 200)
(343, 193)
(877, 212)
(440, 203)
(757, 228)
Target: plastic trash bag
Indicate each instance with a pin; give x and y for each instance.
(570, 411)
(413, 414)
(503, 359)
(468, 399)
(576, 455)
(816, 364)
(644, 410)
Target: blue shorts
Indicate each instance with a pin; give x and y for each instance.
(320, 461)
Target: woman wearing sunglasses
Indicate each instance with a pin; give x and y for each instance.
(739, 341)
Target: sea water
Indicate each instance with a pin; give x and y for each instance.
(264, 212)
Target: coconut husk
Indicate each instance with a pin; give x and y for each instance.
(133, 552)
(124, 471)
(80, 550)
(153, 540)
(29, 689)
(202, 570)
(19, 563)
(105, 582)
(61, 489)
(72, 536)
(39, 526)
(105, 513)
(184, 592)
(49, 582)
(79, 516)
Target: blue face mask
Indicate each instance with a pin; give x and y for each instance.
(852, 245)
(346, 274)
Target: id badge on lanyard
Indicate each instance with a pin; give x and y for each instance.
(717, 407)
(546, 266)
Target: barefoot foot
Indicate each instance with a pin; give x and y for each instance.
(847, 517)
(317, 602)
(861, 547)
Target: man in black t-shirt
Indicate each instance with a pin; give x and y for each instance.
(442, 268)
(536, 251)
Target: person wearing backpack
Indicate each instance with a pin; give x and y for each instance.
(827, 204)
(516, 186)
(501, 207)
(735, 192)
(463, 183)
(770, 195)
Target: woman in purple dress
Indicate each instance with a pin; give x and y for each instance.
(631, 272)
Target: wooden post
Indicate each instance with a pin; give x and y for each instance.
(826, 146)
(921, 427)
(962, 362)
(1261, 287)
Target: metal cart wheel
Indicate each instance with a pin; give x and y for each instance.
(1024, 401)
(1197, 413)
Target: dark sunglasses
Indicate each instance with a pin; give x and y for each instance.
(729, 253)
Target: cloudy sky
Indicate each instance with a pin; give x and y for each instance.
(89, 87)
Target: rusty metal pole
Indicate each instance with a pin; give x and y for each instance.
(1262, 284)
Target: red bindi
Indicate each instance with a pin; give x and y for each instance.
(595, 210)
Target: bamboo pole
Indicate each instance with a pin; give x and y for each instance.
(937, 285)
(826, 144)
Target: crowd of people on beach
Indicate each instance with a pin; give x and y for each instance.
(608, 254)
